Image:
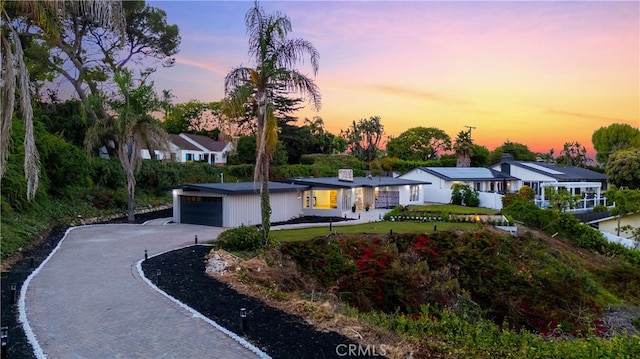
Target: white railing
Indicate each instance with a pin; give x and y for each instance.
(579, 205)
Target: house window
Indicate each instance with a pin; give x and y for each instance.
(200, 157)
(414, 193)
(477, 186)
(189, 156)
(325, 199)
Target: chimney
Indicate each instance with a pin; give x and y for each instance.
(506, 157)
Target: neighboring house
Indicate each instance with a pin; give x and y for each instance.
(490, 184)
(188, 147)
(608, 226)
(537, 175)
(234, 204)
(335, 196)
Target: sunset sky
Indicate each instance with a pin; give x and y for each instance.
(538, 73)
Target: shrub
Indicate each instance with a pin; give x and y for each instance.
(457, 194)
(107, 172)
(471, 197)
(600, 209)
(240, 239)
(527, 192)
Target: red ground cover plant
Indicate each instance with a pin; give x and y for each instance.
(517, 283)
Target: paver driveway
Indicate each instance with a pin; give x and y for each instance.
(88, 300)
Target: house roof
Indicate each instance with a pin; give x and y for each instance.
(206, 142)
(593, 217)
(240, 187)
(467, 173)
(565, 174)
(371, 182)
(182, 143)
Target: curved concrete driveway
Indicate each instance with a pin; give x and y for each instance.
(88, 300)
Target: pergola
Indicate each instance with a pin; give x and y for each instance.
(592, 187)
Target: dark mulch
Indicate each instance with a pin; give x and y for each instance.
(275, 332)
(279, 334)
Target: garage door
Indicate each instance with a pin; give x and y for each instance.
(201, 210)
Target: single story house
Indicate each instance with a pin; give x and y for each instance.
(336, 196)
(538, 175)
(237, 204)
(234, 204)
(489, 183)
(187, 147)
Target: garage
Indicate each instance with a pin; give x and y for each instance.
(234, 204)
(201, 210)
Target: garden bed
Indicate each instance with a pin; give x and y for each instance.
(279, 334)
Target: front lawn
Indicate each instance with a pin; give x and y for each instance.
(301, 234)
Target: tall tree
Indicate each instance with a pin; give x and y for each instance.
(147, 40)
(480, 156)
(519, 151)
(364, 137)
(192, 117)
(275, 57)
(131, 128)
(463, 148)
(573, 154)
(46, 17)
(419, 143)
(623, 168)
(615, 137)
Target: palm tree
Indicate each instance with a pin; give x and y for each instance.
(130, 129)
(274, 73)
(46, 16)
(464, 149)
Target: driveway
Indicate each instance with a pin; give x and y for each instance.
(88, 300)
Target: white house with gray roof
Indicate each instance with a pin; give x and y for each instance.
(333, 196)
(489, 183)
(237, 204)
(590, 185)
(187, 147)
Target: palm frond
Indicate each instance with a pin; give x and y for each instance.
(7, 93)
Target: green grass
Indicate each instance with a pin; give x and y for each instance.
(301, 234)
(452, 209)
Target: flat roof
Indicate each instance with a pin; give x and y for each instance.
(370, 182)
(241, 187)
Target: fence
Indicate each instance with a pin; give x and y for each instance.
(487, 199)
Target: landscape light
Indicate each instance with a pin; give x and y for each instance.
(243, 319)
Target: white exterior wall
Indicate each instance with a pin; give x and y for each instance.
(525, 175)
(611, 225)
(244, 209)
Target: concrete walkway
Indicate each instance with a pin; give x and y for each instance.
(88, 300)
